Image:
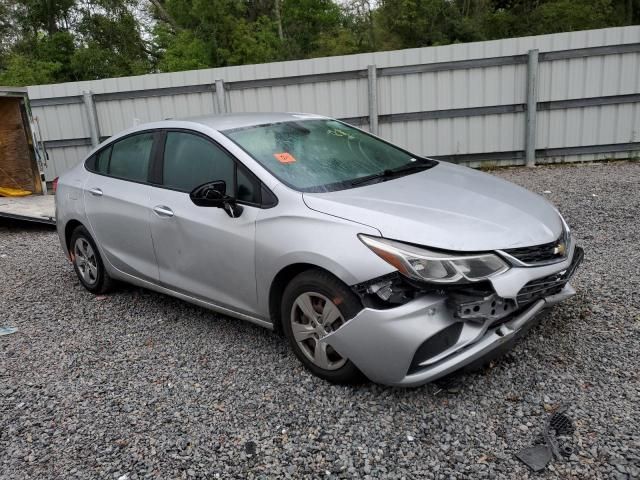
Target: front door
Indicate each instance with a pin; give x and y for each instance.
(202, 251)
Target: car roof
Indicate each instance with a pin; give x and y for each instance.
(231, 121)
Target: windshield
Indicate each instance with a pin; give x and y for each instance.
(320, 155)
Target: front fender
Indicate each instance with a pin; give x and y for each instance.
(312, 238)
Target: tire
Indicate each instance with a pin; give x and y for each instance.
(87, 262)
(312, 289)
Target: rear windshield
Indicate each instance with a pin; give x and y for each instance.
(318, 155)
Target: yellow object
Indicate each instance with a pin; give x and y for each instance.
(13, 192)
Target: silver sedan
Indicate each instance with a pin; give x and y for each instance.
(369, 259)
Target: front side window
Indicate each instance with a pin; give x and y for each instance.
(191, 160)
(321, 154)
(129, 158)
(246, 186)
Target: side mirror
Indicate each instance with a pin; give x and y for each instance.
(213, 194)
(210, 194)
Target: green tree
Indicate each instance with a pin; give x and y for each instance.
(233, 32)
(305, 21)
(567, 16)
(50, 16)
(66, 40)
(421, 23)
(217, 32)
(20, 70)
(183, 51)
(110, 46)
(517, 18)
(252, 42)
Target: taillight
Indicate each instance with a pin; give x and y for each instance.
(55, 184)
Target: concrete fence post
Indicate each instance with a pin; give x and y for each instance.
(221, 99)
(92, 115)
(532, 105)
(372, 77)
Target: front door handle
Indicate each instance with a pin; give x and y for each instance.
(163, 211)
(96, 192)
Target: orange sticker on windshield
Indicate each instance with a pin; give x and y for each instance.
(284, 157)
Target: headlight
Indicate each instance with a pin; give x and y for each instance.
(426, 265)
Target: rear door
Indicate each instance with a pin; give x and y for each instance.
(117, 196)
(202, 251)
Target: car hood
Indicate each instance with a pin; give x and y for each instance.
(448, 207)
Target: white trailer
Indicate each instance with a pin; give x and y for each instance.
(22, 161)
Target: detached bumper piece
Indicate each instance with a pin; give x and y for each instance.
(558, 426)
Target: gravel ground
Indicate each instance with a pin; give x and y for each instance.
(136, 384)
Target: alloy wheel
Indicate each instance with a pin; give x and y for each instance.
(86, 260)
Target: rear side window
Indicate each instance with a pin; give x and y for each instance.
(102, 161)
(129, 158)
(190, 161)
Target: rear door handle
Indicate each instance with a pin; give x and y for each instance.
(96, 192)
(163, 211)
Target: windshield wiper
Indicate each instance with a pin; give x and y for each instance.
(395, 172)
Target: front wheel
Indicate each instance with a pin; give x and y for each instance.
(314, 304)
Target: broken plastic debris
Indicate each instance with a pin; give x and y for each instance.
(566, 450)
(557, 425)
(536, 457)
(561, 424)
(7, 330)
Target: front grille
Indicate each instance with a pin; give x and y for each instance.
(545, 253)
(550, 285)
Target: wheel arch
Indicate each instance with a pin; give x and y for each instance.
(280, 282)
(70, 226)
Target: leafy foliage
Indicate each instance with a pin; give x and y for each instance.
(44, 41)
(183, 51)
(22, 70)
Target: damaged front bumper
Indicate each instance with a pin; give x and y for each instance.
(425, 338)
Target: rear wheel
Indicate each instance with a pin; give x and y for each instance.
(87, 262)
(315, 304)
